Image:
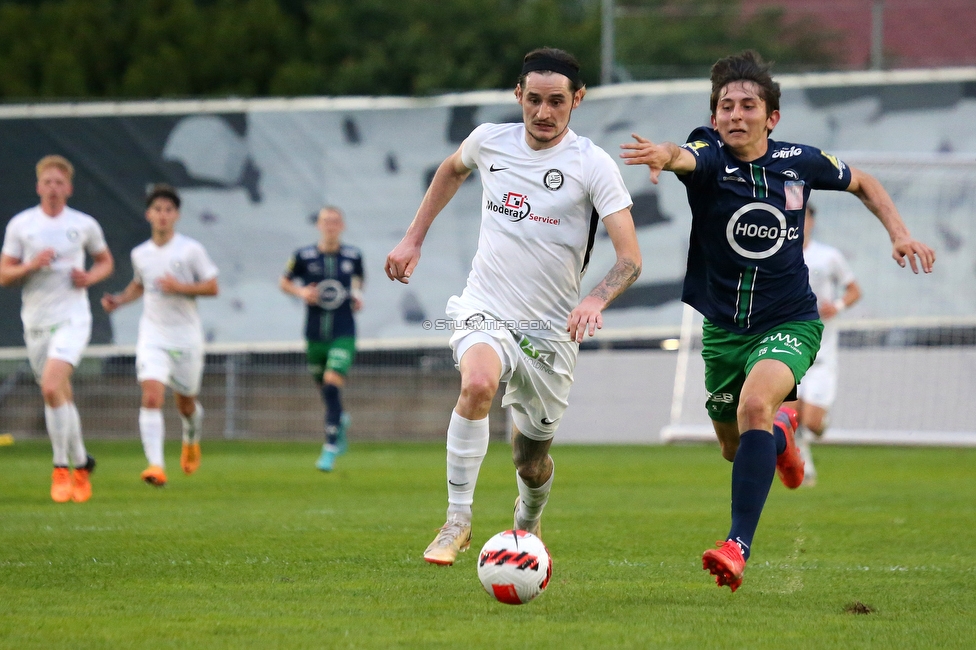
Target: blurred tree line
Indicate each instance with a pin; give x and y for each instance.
(74, 49)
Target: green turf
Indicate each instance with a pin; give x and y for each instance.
(260, 550)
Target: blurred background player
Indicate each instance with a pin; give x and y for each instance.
(44, 247)
(170, 270)
(746, 276)
(832, 281)
(519, 319)
(331, 285)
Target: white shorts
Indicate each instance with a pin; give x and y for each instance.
(819, 385)
(65, 341)
(538, 373)
(180, 369)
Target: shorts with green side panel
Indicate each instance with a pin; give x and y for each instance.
(336, 355)
(729, 358)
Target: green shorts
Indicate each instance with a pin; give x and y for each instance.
(335, 355)
(729, 358)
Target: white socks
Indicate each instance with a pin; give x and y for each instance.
(57, 421)
(467, 445)
(64, 430)
(76, 445)
(151, 431)
(532, 500)
(193, 425)
(803, 437)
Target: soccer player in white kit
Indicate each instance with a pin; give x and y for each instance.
(170, 270)
(833, 282)
(44, 247)
(519, 319)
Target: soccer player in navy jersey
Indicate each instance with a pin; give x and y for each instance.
(747, 277)
(328, 277)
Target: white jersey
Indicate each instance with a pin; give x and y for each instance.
(829, 276)
(539, 215)
(49, 296)
(171, 320)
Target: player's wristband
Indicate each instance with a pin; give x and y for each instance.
(840, 305)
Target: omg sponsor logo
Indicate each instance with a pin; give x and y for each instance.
(758, 230)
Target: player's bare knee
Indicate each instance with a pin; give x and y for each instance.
(186, 404)
(333, 378)
(51, 392)
(478, 390)
(152, 401)
(754, 412)
(534, 471)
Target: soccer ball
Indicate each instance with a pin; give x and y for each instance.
(514, 567)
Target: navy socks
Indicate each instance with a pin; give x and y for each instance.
(752, 475)
(780, 439)
(333, 411)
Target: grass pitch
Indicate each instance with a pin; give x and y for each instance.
(259, 550)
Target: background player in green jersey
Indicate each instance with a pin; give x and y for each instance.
(328, 277)
(746, 275)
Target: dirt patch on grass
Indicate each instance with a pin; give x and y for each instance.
(857, 607)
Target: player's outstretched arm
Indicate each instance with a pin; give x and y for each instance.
(112, 301)
(874, 196)
(403, 259)
(588, 314)
(666, 156)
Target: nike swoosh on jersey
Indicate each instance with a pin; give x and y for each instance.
(729, 170)
(780, 350)
(496, 169)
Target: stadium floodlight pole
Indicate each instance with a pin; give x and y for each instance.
(606, 42)
(877, 35)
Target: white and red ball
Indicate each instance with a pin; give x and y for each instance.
(514, 566)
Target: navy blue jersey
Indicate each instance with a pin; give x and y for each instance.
(332, 273)
(745, 258)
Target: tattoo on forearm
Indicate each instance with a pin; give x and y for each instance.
(622, 275)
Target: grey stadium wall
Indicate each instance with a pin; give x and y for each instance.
(253, 173)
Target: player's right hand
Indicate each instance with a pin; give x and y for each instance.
(401, 262)
(43, 259)
(109, 302)
(645, 152)
(310, 293)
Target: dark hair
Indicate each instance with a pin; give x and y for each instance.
(745, 66)
(562, 57)
(163, 191)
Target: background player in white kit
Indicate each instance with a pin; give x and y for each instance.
(520, 319)
(832, 281)
(171, 270)
(45, 247)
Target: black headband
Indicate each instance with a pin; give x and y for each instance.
(549, 64)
